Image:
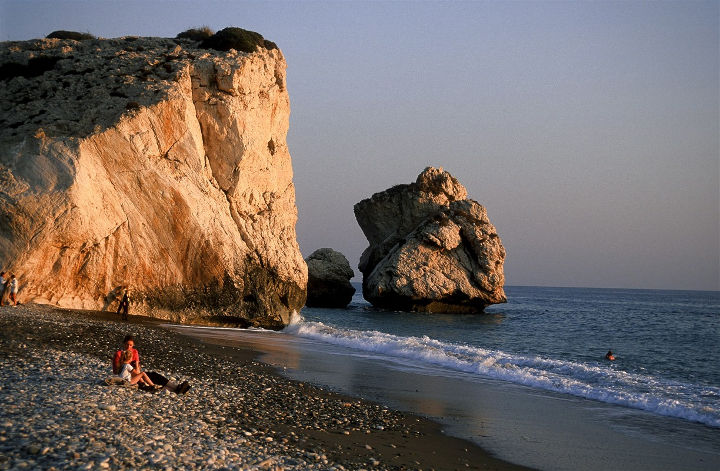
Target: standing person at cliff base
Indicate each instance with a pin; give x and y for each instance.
(13, 289)
(3, 285)
(156, 378)
(124, 305)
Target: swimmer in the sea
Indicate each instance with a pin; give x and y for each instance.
(609, 355)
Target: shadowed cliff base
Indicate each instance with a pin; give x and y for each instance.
(264, 300)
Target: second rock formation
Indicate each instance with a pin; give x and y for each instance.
(329, 275)
(431, 249)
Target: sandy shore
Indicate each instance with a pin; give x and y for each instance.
(58, 414)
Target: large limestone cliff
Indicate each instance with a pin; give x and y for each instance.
(152, 164)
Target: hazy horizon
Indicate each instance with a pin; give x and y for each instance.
(589, 130)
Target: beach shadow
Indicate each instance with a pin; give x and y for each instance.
(112, 296)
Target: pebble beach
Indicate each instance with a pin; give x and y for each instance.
(58, 413)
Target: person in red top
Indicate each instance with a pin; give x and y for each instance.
(156, 378)
(128, 343)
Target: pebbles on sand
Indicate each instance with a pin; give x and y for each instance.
(57, 413)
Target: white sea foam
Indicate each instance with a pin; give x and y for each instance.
(599, 381)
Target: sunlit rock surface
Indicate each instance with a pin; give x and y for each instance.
(431, 249)
(150, 163)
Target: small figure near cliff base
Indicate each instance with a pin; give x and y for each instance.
(13, 287)
(124, 305)
(3, 285)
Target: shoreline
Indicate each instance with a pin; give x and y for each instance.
(517, 423)
(254, 416)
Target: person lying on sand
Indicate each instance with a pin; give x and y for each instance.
(156, 378)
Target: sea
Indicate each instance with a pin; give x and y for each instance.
(546, 348)
(666, 343)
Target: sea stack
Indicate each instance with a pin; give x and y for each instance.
(431, 248)
(154, 164)
(329, 275)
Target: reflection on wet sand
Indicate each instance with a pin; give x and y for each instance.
(272, 345)
(358, 378)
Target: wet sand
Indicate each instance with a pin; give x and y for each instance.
(537, 428)
(294, 424)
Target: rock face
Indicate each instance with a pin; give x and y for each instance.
(149, 163)
(329, 275)
(431, 249)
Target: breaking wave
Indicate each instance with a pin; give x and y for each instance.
(598, 381)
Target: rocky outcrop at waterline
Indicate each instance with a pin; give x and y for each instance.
(154, 164)
(329, 275)
(431, 248)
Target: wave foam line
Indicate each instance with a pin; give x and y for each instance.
(595, 382)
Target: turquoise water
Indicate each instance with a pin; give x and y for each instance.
(666, 343)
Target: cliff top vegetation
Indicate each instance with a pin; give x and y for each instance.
(228, 38)
(74, 35)
(196, 34)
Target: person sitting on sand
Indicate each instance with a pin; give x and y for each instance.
(134, 375)
(157, 378)
(129, 345)
(609, 355)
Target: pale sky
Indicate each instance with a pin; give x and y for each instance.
(588, 129)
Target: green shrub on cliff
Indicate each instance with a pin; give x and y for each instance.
(60, 34)
(196, 34)
(238, 39)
